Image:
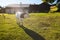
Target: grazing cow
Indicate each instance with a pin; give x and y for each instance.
(20, 16)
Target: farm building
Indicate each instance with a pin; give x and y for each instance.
(12, 8)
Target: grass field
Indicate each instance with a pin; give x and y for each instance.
(47, 26)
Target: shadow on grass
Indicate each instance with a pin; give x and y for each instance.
(32, 34)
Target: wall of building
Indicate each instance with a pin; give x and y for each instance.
(13, 10)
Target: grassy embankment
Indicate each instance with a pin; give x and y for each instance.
(46, 25)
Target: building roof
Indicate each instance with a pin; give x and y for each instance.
(18, 5)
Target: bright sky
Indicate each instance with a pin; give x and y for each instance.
(6, 2)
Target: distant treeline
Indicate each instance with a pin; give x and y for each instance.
(44, 8)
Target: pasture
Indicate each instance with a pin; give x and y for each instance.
(43, 24)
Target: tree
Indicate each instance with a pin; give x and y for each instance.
(51, 1)
(54, 4)
(48, 1)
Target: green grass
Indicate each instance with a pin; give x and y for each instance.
(9, 30)
(46, 25)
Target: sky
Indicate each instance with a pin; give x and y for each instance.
(7, 2)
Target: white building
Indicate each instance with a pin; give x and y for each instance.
(12, 8)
